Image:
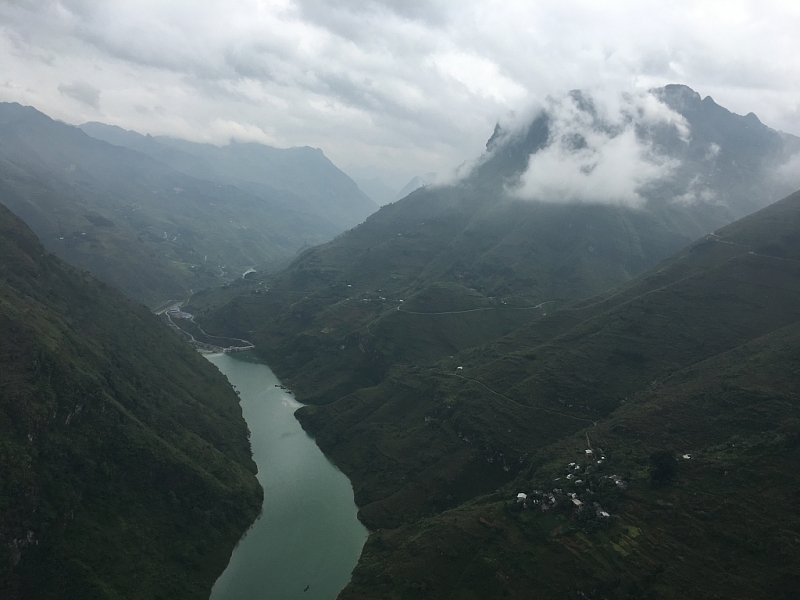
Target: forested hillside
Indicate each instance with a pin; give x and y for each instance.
(343, 313)
(683, 384)
(125, 460)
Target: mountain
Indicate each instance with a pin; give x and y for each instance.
(125, 458)
(301, 179)
(416, 182)
(682, 383)
(137, 223)
(376, 188)
(452, 267)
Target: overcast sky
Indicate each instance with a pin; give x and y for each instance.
(398, 86)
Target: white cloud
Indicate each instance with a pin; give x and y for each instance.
(712, 152)
(480, 76)
(407, 85)
(788, 172)
(595, 154)
(697, 193)
(82, 92)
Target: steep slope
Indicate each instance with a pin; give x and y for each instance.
(125, 458)
(134, 222)
(336, 319)
(683, 382)
(301, 179)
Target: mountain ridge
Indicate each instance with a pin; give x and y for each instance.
(476, 235)
(126, 462)
(693, 358)
(302, 176)
(152, 231)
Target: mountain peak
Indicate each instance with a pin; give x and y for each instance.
(678, 96)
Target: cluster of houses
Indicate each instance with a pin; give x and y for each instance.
(619, 481)
(176, 313)
(547, 500)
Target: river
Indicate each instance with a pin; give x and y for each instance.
(307, 539)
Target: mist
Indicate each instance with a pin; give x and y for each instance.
(598, 150)
(405, 87)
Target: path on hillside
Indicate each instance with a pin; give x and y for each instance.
(454, 312)
(715, 238)
(172, 324)
(554, 412)
(247, 345)
(459, 312)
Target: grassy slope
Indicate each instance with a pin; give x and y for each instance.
(697, 356)
(125, 459)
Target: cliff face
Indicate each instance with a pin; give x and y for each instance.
(125, 458)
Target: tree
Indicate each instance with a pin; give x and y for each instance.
(663, 467)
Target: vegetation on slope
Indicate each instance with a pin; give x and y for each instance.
(336, 319)
(693, 366)
(125, 458)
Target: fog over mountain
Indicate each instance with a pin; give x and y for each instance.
(600, 153)
(408, 87)
(667, 144)
(525, 273)
(626, 182)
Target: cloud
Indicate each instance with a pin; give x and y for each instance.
(406, 85)
(697, 192)
(597, 150)
(82, 92)
(787, 173)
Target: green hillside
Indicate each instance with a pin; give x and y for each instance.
(125, 460)
(684, 380)
(337, 318)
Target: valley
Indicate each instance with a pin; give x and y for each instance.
(522, 390)
(443, 387)
(157, 228)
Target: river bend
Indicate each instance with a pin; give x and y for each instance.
(307, 540)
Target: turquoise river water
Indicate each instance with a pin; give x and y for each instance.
(307, 539)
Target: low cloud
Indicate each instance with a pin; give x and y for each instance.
(598, 150)
(698, 192)
(408, 86)
(82, 92)
(787, 173)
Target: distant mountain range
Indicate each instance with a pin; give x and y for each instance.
(302, 179)
(158, 228)
(416, 182)
(125, 459)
